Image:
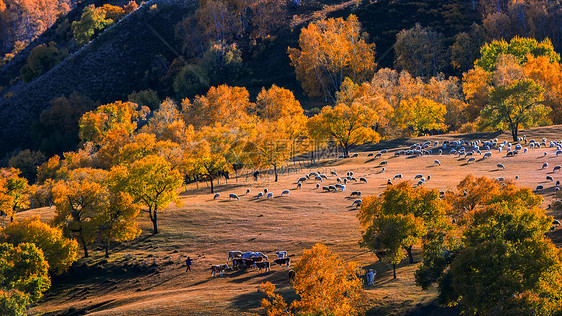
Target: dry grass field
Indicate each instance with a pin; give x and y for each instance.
(147, 276)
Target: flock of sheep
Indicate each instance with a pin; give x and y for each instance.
(459, 148)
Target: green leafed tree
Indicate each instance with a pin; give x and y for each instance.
(92, 21)
(515, 106)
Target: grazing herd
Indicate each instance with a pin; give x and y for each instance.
(250, 260)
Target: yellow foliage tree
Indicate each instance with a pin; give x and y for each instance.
(420, 115)
(79, 201)
(60, 252)
(151, 181)
(331, 50)
(326, 284)
(117, 222)
(347, 125)
(14, 192)
(223, 104)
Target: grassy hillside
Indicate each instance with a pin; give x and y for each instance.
(147, 276)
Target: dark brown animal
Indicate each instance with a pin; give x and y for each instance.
(263, 265)
(282, 261)
(291, 276)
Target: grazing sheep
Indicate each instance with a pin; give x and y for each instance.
(420, 183)
(428, 177)
(500, 179)
(354, 155)
(539, 187)
(350, 173)
(516, 177)
(356, 193)
(437, 162)
(247, 191)
(544, 165)
(265, 191)
(383, 163)
(377, 156)
(342, 187)
(345, 181)
(332, 187)
(260, 195)
(558, 152)
(549, 178)
(270, 196)
(318, 178)
(299, 185)
(285, 192)
(388, 182)
(356, 203)
(317, 185)
(557, 182)
(500, 166)
(556, 168)
(487, 155)
(334, 173)
(370, 155)
(556, 222)
(418, 176)
(398, 176)
(233, 196)
(338, 180)
(325, 188)
(323, 176)
(362, 179)
(383, 170)
(384, 151)
(544, 154)
(301, 179)
(217, 196)
(472, 159)
(525, 150)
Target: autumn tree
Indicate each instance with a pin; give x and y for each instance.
(79, 201)
(60, 252)
(549, 75)
(14, 193)
(27, 161)
(515, 106)
(325, 283)
(420, 115)
(420, 51)
(118, 221)
(399, 218)
(223, 104)
(25, 277)
(347, 125)
(329, 51)
(151, 182)
(92, 21)
(211, 146)
(95, 125)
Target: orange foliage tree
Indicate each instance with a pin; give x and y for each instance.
(331, 50)
(326, 284)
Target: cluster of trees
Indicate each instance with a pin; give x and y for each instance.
(95, 20)
(31, 252)
(326, 285)
(484, 244)
(23, 20)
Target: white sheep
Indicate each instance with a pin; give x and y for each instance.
(398, 176)
(317, 185)
(233, 196)
(334, 173)
(539, 187)
(500, 166)
(247, 191)
(471, 159)
(418, 176)
(299, 185)
(487, 155)
(318, 178)
(544, 165)
(383, 163)
(549, 178)
(265, 191)
(354, 155)
(302, 179)
(362, 179)
(356, 193)
(437, 162)
(383, 169)
(356, 203)
(556, 168)
(260, 194)
(269, 196)
(217, 196)
(285, 192)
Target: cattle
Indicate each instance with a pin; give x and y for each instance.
(220, 268)
(281, 254)
(233, 255)
(283, 261)
(291, 276)
(262, 266)
(240, 263)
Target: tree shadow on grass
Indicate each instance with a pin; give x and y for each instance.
(252, 300)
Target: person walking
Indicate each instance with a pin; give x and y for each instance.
(188, 263)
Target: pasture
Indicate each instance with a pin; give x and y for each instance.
(147, 276)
